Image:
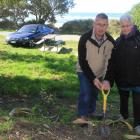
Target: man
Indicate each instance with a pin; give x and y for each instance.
(94, 50)
(124, 69)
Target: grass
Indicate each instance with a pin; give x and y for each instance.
(6, 126)
(3, 30)
(30, 72)
(26, 71)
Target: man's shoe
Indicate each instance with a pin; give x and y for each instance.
(82, 120)
(96, 116)
(137, 129)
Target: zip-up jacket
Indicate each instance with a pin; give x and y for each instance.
(124, 65)
(92, 57)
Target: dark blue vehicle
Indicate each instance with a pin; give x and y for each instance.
(29, 34)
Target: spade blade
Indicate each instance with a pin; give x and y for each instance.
(104, 131)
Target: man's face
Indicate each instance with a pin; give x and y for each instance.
(126, 27)
(100, 26)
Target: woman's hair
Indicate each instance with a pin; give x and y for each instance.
(126, 17)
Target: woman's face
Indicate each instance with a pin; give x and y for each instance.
(126, 27)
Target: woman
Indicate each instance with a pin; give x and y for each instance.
(124, 69)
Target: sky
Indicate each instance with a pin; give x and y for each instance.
(96, 6)
(114, 6)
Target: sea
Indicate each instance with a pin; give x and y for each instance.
(79, 15)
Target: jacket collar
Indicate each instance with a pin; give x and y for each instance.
(98, 41)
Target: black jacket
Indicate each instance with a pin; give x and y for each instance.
(124, 65)
(82, 52)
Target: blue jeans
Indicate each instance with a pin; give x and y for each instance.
(87, 97)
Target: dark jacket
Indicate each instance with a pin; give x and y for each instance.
(124, 65)
(92, 57)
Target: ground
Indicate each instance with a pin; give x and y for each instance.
(37, 127)
(24, 129)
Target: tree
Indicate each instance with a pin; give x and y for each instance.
(8, 2)
(135, 12)
(46, 10)
(19, 11)
(4, 11)
(43, 10)
(114, 27)
(14, 10)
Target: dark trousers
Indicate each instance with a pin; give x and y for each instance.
(124, 98)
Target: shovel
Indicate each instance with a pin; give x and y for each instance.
(104, 128)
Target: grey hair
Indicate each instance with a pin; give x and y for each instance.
(102, 15)
(126, 17)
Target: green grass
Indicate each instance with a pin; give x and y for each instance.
(3, 30)
(27, 71)
(65, 115)
(6, 126)
(30, 72)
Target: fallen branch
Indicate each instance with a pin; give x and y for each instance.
(131, 137)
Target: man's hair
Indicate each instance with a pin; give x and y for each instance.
(126, 17)
(102, 15)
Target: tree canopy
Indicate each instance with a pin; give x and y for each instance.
(135, 12)
(41, 10)
(46, 10)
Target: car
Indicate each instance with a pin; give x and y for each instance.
(29, 34)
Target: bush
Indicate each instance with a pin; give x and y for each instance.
(114, 27)
(76, 26)
(7, 25)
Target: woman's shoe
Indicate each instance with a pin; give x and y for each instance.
(137, 129)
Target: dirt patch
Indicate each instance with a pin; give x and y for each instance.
(23, 130)
(26, 130)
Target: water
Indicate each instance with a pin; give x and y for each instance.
(76, 16)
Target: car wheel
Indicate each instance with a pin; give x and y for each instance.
(31, 43)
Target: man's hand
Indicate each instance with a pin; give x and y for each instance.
(97, 83)
(106, 85)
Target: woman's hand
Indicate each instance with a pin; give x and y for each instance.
(106, 85)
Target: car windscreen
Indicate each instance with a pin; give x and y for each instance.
(27, 29)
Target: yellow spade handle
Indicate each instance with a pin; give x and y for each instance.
(104, 104)
(105, 95)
